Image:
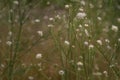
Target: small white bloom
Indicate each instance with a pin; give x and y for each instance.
(86, 32)
(91, 5)
(37, 20)
(79, 63)
(66, 42)
(50, 25)
(16, 2)
(38, 56)
(10, 33)
(99, 18)
(91, 46)
(82, 2)
(80, 26)
(99, 42)
(86, 43)
(40, 33)
(51, 19)
(81, 15)
(114, 28)
(86, 25)
(67, 6)
(107, 40)
(8, 43)
(61, 72)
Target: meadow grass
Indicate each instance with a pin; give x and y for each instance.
(59, 40)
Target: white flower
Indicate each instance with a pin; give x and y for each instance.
(37, 20)
(82, 2)
(38, 56)
(79, 63)
(86, 32)
(67, 6)
(107, 40)
(99, 42)
(81, 15)
(51, 19)
(50, 25)
(80, 26)
(99, 18)
(86, 43)
(86, 25)
(114, 28)
(61, 72)
(8, 43)
(10, 33)
(66, 42)
(91, 46)
(16, 2)
(40, 33)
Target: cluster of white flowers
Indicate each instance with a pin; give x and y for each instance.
(114, 28)
(79, 63)
(67, 6)
(40, 33)
(16, 2)
(9, 43)
(67, 42)
(99, 42)
(81, 15)
(38, 56)
(61, 72)
(37, 20)
(50, 25)
(91, 46)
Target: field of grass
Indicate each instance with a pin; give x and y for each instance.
(59, 40)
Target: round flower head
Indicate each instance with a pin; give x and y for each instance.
(61, 72)
(38, 56)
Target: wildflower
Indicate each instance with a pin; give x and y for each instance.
(50, 25)
(61, 72)
(16, 2)
(82, 2)
(8, 43)
(86, 25)
(81, 15)
(80, 26)
(10, 33)
(67, 6)
(51, 19)
(106, 73)
(99, 18)
(38, 56)
(91, 46)
(99, 42)
(86, 32)
(78, 68)
(107, 40)
(66, 42)
(40, 33)
(79, 63)
(91, 5)
(114, 28)
(86, 43)
(37, 20)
